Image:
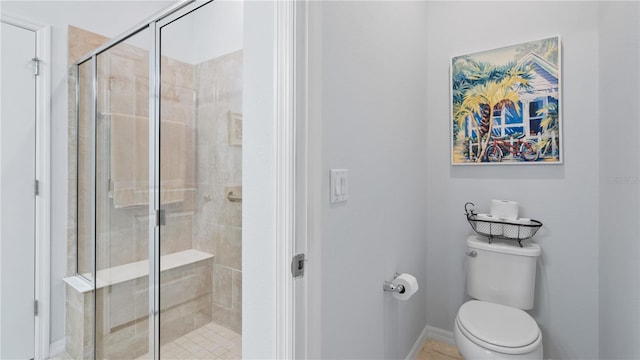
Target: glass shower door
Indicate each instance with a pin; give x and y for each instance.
(160, 189)
(122, 200)
(200, 182)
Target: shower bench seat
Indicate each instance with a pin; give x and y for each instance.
(122, 273)
(120, 309)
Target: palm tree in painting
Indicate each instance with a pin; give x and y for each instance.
(481, 89)
(548, 124)
(463, 112)
(550, 121)
(547, 49)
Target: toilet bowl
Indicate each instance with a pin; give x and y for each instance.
(485, 330)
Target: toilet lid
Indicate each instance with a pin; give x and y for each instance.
(498, 325)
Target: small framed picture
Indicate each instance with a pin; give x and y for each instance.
(235, 128)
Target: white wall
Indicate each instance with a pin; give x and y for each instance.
(619, 77)
(258, 176)
(109, 18)
(575, 293)
(214, 30)
(373, 107)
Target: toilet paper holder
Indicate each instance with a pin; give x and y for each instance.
(391, 287)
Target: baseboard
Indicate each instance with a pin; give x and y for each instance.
(413, 353)
(439, 334)
(58, 347)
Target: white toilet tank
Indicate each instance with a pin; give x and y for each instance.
(502, 272)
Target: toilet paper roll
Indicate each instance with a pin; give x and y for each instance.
(488, 228)
(504, 209)
(516, 231)
(410, 286)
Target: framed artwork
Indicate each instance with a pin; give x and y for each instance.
(506, 106)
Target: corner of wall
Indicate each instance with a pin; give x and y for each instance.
(619, 187)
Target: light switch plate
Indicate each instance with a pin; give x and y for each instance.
(339, 188)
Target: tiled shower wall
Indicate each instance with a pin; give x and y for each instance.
(124, 89)
(218, 226)
(208, 97)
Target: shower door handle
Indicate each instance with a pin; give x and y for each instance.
(161, 218)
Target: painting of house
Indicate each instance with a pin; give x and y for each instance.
(505, 105)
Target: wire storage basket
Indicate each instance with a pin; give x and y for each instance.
(501, 228)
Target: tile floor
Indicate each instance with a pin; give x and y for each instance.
(438, 350)
(209, 342)
(213, 341)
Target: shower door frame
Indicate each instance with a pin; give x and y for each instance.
(287, 19)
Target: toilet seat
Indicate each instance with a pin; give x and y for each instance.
(498, 328)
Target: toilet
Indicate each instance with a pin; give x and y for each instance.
(501, 280)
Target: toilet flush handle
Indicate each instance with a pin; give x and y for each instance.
(472, 253)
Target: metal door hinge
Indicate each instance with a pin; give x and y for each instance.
(297, 266)
(36, 63)
(36, 187)
(35, 307)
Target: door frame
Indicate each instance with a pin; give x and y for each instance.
(43, 175)
(298, 185)
(307, 94)
(279, 186)
(285, 176)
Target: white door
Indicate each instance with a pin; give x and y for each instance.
(17, 192)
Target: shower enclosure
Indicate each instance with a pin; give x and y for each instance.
(157, 251)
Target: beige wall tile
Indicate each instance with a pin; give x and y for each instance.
(219, 91)
(222, 286)
(229, 247)
(82, 42)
